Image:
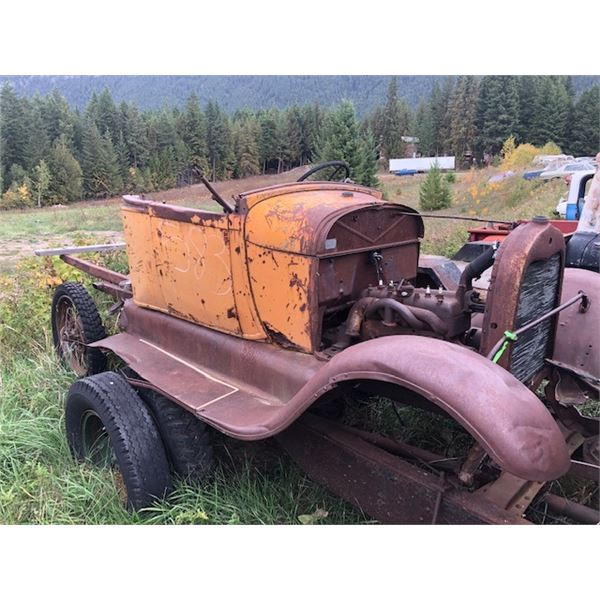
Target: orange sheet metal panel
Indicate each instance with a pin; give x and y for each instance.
(145, 279)
(253, 197)
(249, 320)
(285, 230)
(293, 217)
(181, 264)
(283, 289)
(195, 269)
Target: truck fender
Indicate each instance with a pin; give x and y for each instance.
(505, 417)
(576, 345)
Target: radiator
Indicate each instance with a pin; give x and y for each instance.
(539, 294)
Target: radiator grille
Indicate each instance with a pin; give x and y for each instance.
(539, 294)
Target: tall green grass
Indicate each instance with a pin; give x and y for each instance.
(40, 482)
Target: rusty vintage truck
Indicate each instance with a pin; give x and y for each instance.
(258, 320)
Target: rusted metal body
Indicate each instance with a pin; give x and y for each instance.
(577, 343)
(253, 391)
(506, 308)
(387, 488)
(305, 292)
(94, 270)
(496, 232)
(515, 494)
(68, 250)
(300, 247)
(573, 510)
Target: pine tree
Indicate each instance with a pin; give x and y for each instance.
(109, 166)
(528, 104)
(552, 112)
(18, 176)
(92, 141)
(167, 151)
(38, 144)
(101, 171)
(569, 88)
(66, 175)
(463, 115)
(13, 132)
(194, 133)
(585, 133)
(78, 129)
(312, 119)
(366, 172)
(135, 134)
(424, 129)
(497, 111)
(246, 149)
(374, 123)
(269, 143)
(106, 115)
(434, 192)
(292, 141)
(181, 160)
(394, 123)
(218, 141)
(340, 137)
(122, 154)
(57, 118)
(164, 129)
(440, 105)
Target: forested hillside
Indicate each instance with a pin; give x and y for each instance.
(232, 92)
(235, 92)
(53, 152)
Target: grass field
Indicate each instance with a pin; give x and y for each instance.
(254, 483)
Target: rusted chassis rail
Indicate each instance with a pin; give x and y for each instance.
(111, 283)
(384, 486)
(370, 472)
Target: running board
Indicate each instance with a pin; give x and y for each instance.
(206, 394)
(241, 387)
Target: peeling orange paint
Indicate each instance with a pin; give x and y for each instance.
(252, 273)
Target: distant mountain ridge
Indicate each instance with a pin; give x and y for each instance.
(238, 91)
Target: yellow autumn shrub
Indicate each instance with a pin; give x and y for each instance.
(17, 196)
(523, 154)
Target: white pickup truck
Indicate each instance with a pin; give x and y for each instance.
(570, 207)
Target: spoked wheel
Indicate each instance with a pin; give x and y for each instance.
(75, 323)
(109, 426)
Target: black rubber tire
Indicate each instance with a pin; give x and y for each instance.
(134, 437)
(94, 360)
(187, 439)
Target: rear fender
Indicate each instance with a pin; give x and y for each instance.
(505, 417)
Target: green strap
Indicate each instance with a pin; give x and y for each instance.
(509, 336)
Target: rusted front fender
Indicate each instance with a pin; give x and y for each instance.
(576, 345)
(507, 419)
